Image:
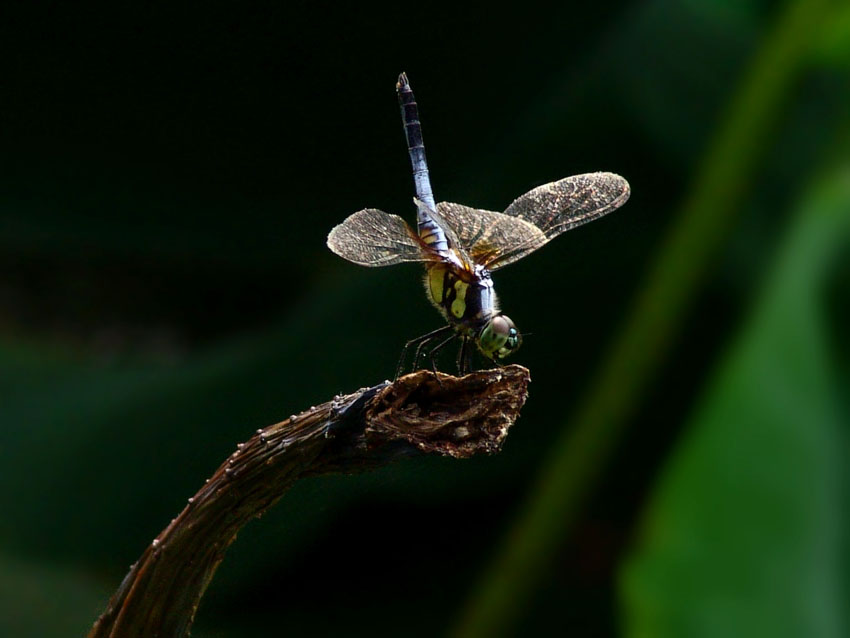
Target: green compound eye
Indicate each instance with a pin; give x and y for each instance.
(499, 338)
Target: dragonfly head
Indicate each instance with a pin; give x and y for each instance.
(499, 337)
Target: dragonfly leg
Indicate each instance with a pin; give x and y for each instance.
(437, 348)
(463, 356)
(418, 354)
(420, 343)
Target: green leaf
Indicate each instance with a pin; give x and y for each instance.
(743, 535)
(833, 48)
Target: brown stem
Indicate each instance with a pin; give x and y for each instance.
(420, 412)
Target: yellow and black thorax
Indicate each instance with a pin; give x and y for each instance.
(466, 299)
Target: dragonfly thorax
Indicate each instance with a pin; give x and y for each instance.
(466, 299)
(468, 302)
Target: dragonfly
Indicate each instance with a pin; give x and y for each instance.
(461, 247)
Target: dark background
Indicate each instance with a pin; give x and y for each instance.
(168, 176)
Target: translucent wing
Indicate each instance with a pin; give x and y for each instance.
(374, 238)
(487, 235)
(560, 206)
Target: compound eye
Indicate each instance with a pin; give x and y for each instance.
(501, 326)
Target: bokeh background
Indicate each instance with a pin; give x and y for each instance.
(168, 176)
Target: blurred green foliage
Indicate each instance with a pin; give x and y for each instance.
(746, 533)
(639, 347)
(46, 599)
(167, 179)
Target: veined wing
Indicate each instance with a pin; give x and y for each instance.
(560, 206)
(488, 235)
(372, 237)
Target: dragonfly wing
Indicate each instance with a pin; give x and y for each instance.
(372, 237)
(488, 235)
(560, 206)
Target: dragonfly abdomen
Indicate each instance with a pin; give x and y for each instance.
(428, 229)
(465, 302)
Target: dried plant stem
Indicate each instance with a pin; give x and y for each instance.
(420, 412)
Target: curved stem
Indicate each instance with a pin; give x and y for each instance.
(420, 412)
